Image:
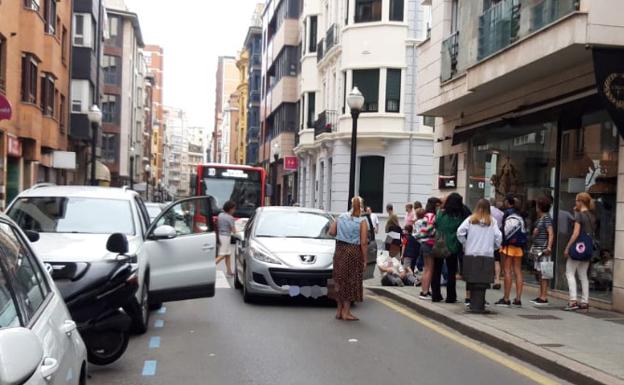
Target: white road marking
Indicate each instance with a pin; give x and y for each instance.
(222, 281)
(352, 340)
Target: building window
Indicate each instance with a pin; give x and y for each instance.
(3, 54)
(429, 121)
(393, 90)
(454, 16)
(311, 108)
(64, 46)
(83, 30)
(29, 78)
(109, 147)
(62, 113)
(32, 4)
(313, 33)
(113, 27)
(110, 67)
(371, 186)
(110, 109)
(82, 96)
(396, 10)
(49, 16)
(47, 95)
(367, 11)
(367, 81)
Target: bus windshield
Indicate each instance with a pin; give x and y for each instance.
(246, 194)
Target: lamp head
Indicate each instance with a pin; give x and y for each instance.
(355, 100)
(95, 114)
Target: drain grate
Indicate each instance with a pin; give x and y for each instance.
(539, 317)
(551, 345)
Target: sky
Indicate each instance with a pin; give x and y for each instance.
(193, 33)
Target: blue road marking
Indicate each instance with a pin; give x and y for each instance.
(154, 342)
(162, 310)
(159, 323)
(149, 368)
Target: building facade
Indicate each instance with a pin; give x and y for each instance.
(176, 123)
(154, 58)
(123, 101)
(35, 54)
(253, 45)
(227, 81)
(279, 99)
(342, 49)
(513, 85)
(240, 156)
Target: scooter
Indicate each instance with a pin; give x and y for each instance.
(95, 294)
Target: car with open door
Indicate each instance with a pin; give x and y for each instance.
(287, 251)
(39, 342)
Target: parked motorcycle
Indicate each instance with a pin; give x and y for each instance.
(95, 294)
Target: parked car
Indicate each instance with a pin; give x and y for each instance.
(175, 257)
(287, 251)
(39, 343)
(154, 209)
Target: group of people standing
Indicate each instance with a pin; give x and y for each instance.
(435, 240)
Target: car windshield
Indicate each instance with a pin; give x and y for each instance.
(246, 194)
(73, 215)
(284, 224)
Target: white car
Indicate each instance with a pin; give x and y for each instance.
(39, 343)
(175, 254)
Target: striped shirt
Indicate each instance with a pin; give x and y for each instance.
(540, 237)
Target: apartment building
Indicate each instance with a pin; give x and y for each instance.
(368, 44)
(123, 114)
(154, 59)
(280, 96)
(253, 46)
(226, 83)
(242, 91)
(86, 89)
(527, 99)
(176, 122)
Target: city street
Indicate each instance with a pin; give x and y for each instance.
(224, 341)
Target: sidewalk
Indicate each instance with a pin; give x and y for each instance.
(580, 347)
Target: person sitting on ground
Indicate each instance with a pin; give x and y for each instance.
(411, 250)
(393, 273)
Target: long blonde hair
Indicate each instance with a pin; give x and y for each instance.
(586, 200)
(482, 213)
(356, 206)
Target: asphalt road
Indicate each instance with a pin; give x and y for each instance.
(224, 341)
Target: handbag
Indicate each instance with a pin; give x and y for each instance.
(547, 269)
(440, 248)
(583, 249)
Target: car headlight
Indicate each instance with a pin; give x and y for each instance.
(263, 256)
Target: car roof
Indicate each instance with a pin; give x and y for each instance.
(79, 191)
(291, 209)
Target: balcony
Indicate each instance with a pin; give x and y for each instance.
(319, 50)
(256, 60)
(450, 53)
(327, 122)
(331, 38)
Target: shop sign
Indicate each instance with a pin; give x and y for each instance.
(64, 160)
(14, 146)
(609, 71)
(5, 108)
(291, 163)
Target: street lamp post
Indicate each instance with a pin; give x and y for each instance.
(95, 118)
(148, 171)
(355, 100)
(131, 168)
(276, 148)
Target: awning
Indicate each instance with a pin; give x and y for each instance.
(102, 172)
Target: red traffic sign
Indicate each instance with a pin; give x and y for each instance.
(291, 163)
(5, 108)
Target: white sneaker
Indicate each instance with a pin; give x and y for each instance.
(426, 297)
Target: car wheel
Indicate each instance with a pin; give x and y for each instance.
(140, 312)
(237, 283)
(247, 296)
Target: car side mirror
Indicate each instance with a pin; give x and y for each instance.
(20, 355)
(164, 232)
(32, 236)
(117, 243)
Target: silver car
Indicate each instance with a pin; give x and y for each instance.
(287, 251)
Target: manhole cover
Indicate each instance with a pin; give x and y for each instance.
(539, 317)
(551, 345)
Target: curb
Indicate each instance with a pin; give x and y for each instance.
(550, 362)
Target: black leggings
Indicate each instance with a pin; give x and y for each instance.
(451, 292)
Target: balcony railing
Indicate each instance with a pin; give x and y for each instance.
(331, 38)
(548, 11)
(498, 27)
(319, 50)
(327, 122)
(450, 52)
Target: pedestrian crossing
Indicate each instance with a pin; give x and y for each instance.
(222, 281)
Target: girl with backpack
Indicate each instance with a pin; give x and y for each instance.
(514, 240)
(426, 237)
(579, 250)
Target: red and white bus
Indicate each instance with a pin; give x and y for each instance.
(244, 185)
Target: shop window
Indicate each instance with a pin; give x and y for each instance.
(393, 90)
(29, 78)
(396, 10)
(371, 181)
(367, 11)
(367, 81)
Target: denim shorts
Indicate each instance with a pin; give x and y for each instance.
(426, 249)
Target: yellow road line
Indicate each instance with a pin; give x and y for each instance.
(492, 355)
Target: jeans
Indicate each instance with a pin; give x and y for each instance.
(438, 265)
(390, 279)
(572, 267)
